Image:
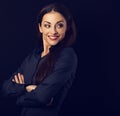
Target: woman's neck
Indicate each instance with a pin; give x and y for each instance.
(44, 53)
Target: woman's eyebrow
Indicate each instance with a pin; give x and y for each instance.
(47, 22)
(61, 21)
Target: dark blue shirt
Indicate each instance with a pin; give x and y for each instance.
(54, 87)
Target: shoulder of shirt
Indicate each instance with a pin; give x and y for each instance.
(68, 56)
(34, 53)
(66, 52)
(69, 52)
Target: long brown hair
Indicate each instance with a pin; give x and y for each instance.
(47, 65)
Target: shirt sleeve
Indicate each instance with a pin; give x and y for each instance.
(12, 89)
(65, 66)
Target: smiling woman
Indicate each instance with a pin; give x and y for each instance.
(53, 28)
(44, 78)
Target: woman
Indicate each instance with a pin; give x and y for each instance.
(42, 81)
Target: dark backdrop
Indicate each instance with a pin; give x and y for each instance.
(96, 90)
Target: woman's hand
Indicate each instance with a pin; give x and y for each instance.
(19, 79)
(29, 88)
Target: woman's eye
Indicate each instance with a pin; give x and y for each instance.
(47, 25)
(60, 25)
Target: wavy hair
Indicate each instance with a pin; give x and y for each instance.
(47, 65)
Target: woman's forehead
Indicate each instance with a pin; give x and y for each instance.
(53, 16)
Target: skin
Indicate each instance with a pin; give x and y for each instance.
(53, 28)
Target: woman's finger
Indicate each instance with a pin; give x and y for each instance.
(13, 80)
(16, 79)
(20, 78)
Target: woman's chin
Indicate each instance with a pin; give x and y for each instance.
(54, 43)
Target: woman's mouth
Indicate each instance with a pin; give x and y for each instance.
(53, 37)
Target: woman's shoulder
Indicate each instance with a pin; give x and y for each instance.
(33, 54)
(68, 54)
(69, 51)
(67, 57)
(35, 51)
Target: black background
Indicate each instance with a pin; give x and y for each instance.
(96, 90)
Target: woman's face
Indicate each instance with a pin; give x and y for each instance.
(53, 28)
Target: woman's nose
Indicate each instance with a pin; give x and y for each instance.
(53, 30)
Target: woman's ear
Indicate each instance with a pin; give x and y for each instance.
(40, 28)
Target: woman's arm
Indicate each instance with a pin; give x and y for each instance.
(64, 70)
(15, 85)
